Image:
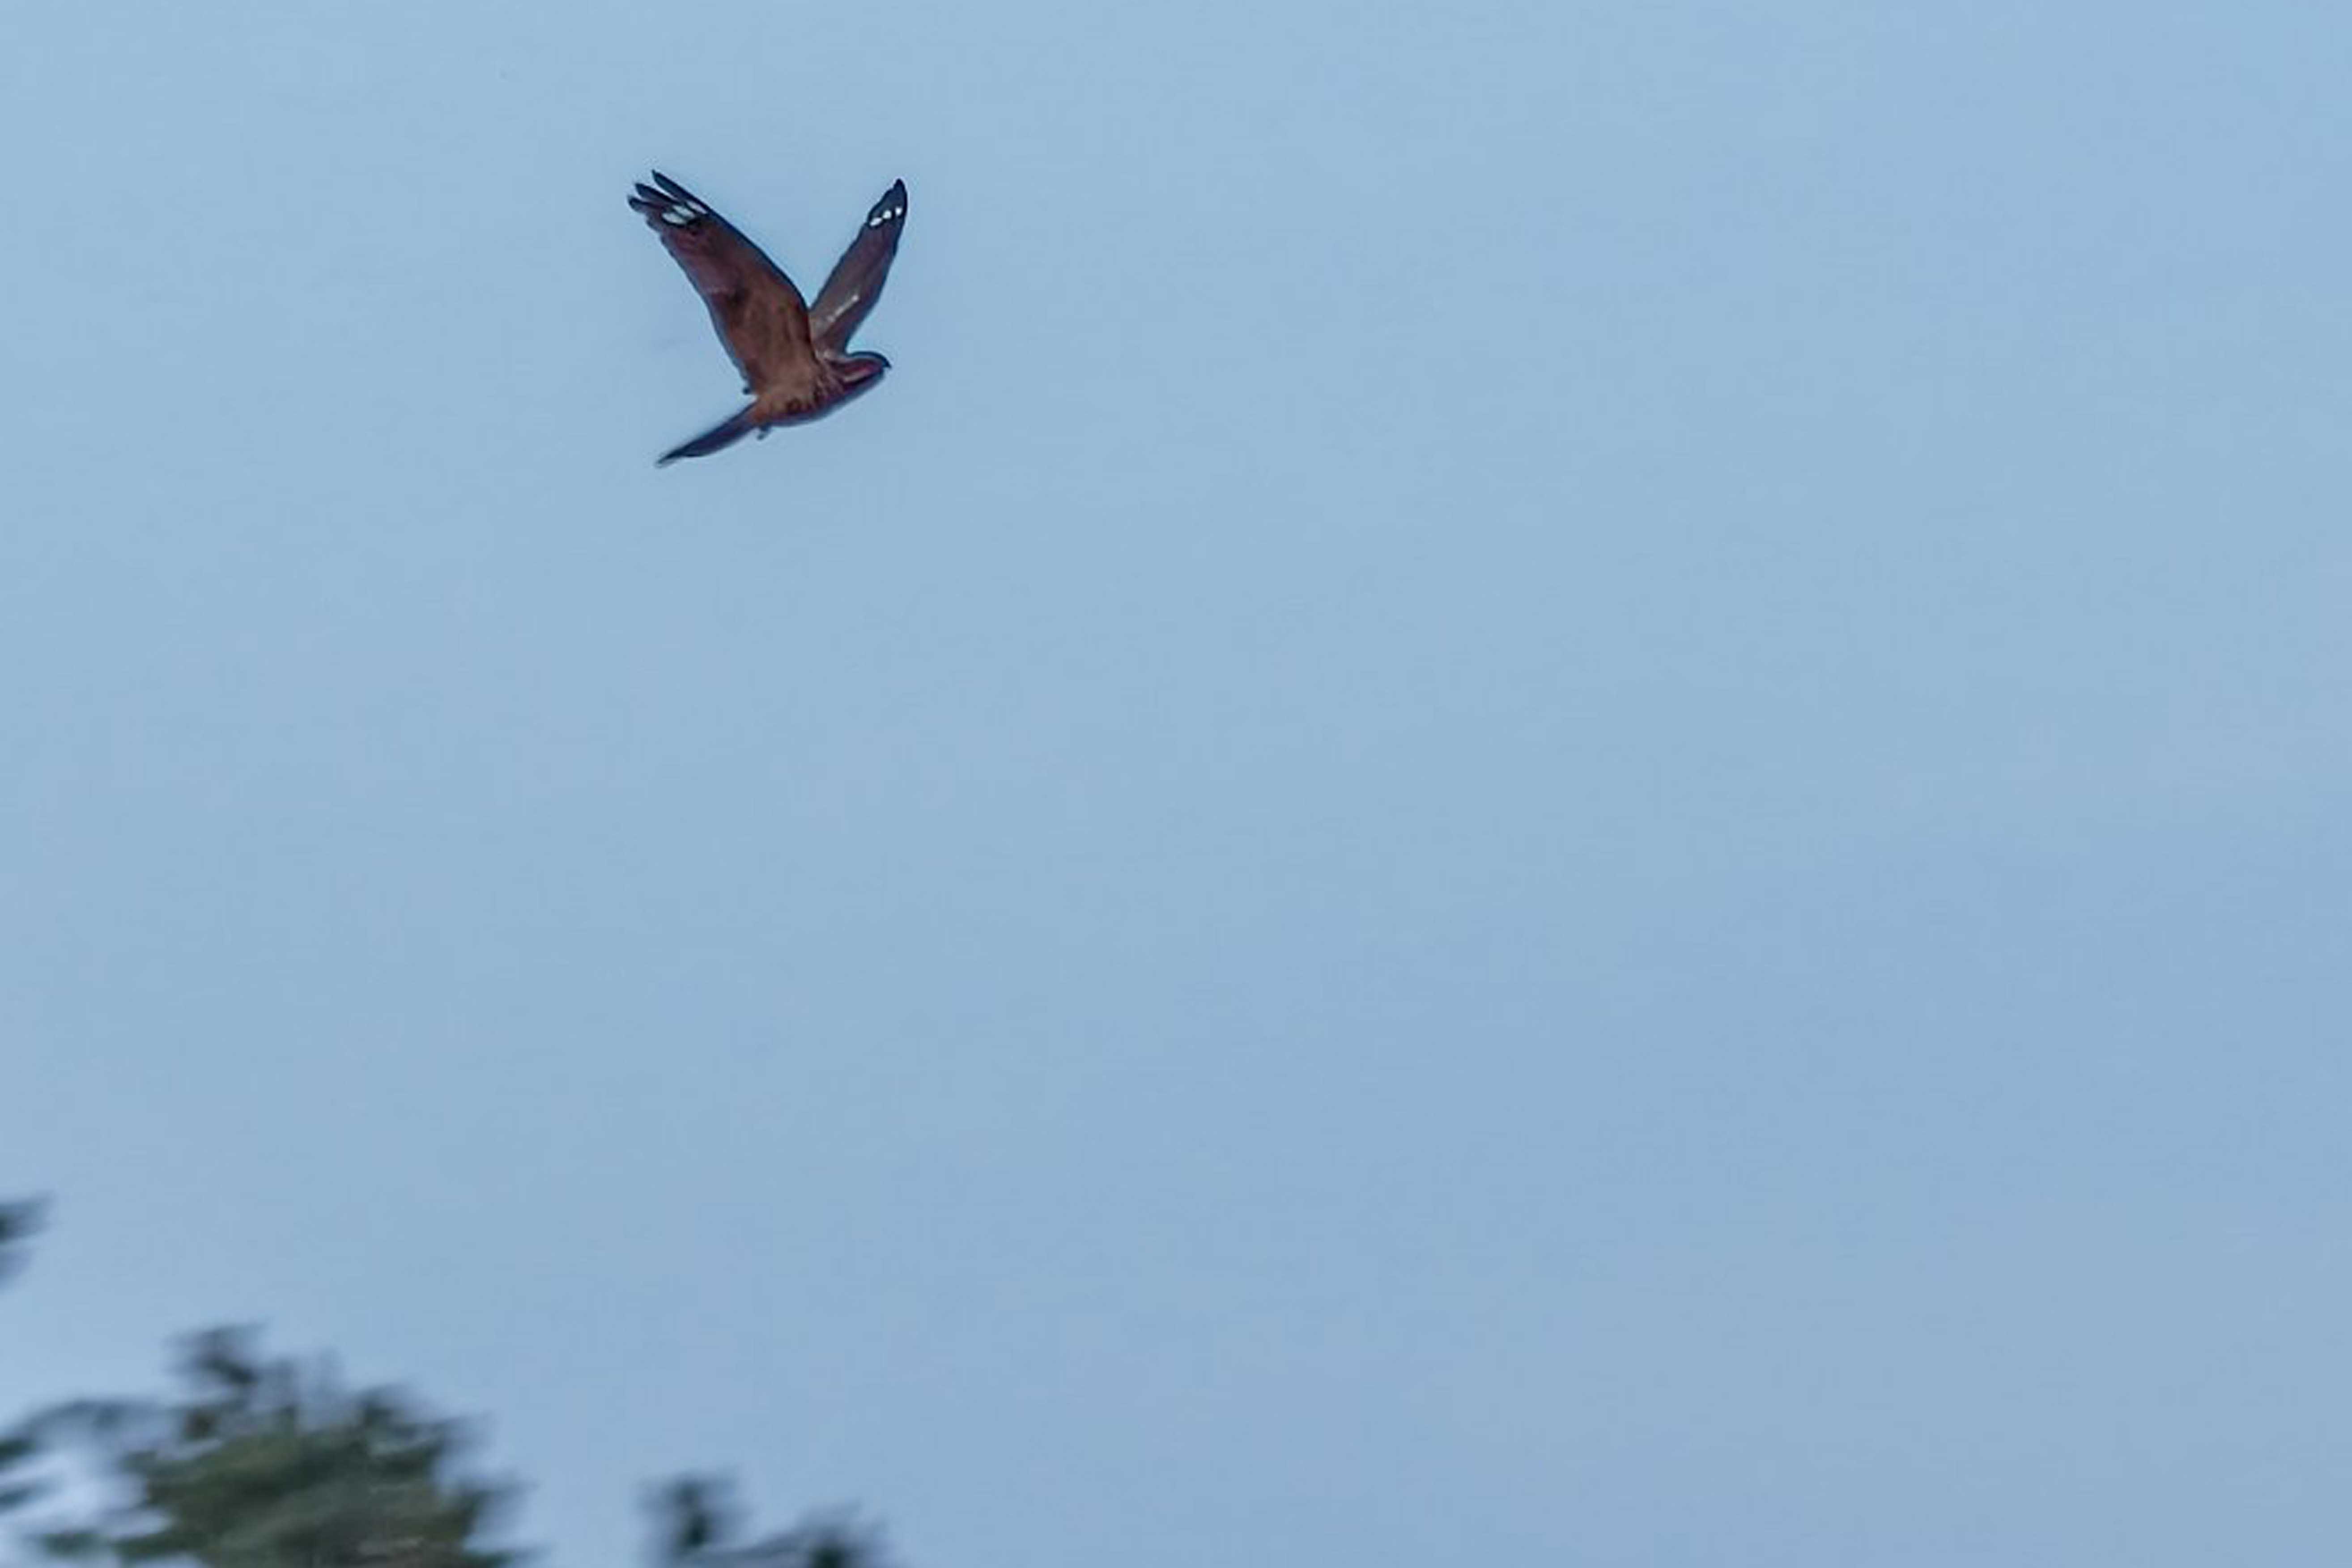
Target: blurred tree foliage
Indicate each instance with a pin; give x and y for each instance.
(268, 1463)
(699, 1525)
(262, 1463)
(17, 1221)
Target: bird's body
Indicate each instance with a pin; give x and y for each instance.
(796, 361)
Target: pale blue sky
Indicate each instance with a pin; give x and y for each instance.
(1555, 783)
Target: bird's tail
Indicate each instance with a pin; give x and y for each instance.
(725, 434)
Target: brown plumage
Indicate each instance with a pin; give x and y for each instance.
(795, 359)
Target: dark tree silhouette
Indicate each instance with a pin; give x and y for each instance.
(699, 1525)
(17, 1221)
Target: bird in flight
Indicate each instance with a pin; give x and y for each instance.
(795, 357)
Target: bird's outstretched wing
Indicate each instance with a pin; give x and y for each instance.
(759, 313)
(857, 277)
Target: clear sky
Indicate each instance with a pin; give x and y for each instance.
(1554, 783)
